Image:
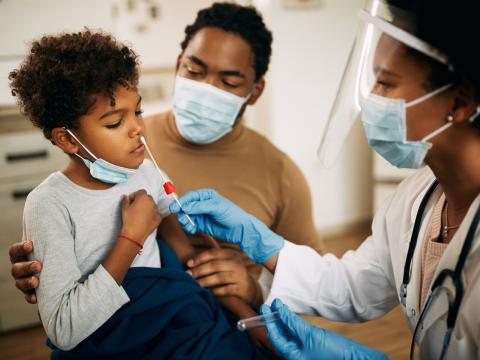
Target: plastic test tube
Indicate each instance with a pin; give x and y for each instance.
(257, 321)
(167, 185)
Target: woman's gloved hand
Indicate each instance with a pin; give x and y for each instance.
(216, 216)
(294, 338)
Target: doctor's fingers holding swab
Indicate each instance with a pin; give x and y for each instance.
(294, 338)
(219, 217)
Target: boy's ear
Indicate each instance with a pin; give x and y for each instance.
(64, 140)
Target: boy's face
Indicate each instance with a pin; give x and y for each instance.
(113, 133)
(221, 59)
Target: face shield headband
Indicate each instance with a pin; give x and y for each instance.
(380, 24)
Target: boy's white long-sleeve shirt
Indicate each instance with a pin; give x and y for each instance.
(73, 229)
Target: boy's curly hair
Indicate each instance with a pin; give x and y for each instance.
(56, 82)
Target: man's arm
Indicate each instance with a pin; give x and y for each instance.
(295, 217)
(216, 269)
(24, 271)
(171, 232)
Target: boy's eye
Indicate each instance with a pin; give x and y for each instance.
(139, 112)
(113, 126)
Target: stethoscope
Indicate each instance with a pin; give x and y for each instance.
(454, 299)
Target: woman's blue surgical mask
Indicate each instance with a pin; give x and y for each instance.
(204, 113)
(384, 122)
(103, 170)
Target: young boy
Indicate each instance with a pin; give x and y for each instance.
(94, 224)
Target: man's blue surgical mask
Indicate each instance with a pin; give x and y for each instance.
(204, 113)
(384, 122)
(103, 170)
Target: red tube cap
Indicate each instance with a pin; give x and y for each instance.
(169, 187)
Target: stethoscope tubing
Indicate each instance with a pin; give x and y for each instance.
(454, 275)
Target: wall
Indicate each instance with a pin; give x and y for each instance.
(309, 53)
(310, 50)
(21, 21)
(156, 38)
(24, 20)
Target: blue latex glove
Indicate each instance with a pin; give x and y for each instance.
(294, 338)
(216, 216)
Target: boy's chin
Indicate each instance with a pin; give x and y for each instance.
(134, 163)
(136, 166)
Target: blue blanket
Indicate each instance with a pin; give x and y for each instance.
(169, 316)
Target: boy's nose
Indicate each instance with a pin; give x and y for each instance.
(137, 128)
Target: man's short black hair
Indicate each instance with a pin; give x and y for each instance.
(244, 21)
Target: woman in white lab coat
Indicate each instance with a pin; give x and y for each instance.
(414, 73)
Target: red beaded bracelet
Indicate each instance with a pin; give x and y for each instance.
(133, 241)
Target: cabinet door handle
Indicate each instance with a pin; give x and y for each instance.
(20, 194)
(26, 155)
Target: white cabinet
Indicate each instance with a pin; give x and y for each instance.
(14, 310)
(26, 153)
(26, 158)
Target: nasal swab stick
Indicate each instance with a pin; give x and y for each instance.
(167, 185)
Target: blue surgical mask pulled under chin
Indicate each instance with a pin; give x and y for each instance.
(204, 113)
(103, 170)
(384, 122)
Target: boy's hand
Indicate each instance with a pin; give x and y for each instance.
(221, 271)
(140, 215)
(23, 271)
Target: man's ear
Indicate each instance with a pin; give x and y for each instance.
(257, 91)
(64, 140)
(464, 103)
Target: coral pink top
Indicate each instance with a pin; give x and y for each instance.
(432, 249)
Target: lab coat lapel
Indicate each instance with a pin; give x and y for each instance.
(413, 288)
(449, 259)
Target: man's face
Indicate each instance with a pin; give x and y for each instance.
(221, 59)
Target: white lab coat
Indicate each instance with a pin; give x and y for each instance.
(364, 284)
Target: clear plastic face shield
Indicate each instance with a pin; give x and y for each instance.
(381, 63)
